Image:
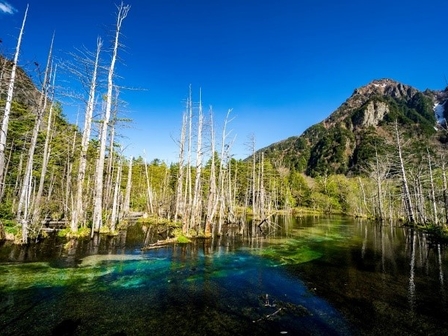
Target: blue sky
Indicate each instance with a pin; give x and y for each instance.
(282, 66)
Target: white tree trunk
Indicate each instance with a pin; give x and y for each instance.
(379, 181)
(98, 198)
(254, 178)
(23, 216)
(7, 167)
(149, 192)
(445, 190)
(115, 202)
(433, 193)
(77, 214)
(127, 196)
(220, 197)
(188, 184)
(180, 205)
(211, 202)
(5, 122)
(110, 161)
(406, 194)
(45, 159)
(197, 198)
(69, 199)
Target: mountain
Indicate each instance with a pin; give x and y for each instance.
(364, 125)
(25, 91)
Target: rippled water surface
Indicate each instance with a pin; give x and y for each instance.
(299, 276)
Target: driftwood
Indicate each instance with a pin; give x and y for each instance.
(159, 244)
(265, 220)
(267, 316)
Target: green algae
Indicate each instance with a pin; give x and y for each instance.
(41, 274)
(290, 252)
(302, 244)
(97, 272)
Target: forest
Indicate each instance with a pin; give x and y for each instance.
(52, 171)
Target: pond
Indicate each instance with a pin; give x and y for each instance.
(298, 276)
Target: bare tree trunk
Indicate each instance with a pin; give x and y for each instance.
(211, 202)
(18, 184)
(29, 167)
(445, 190)
(262, 203)
(197, 197)
(419, 200)
(188, 182)
(165, 208)
(230, 205)
(11, 150)
(221, 174)
(50, 185)
(433, 193)
(363, 194)
(115, 200)
(149, 192)
(180, 205)
(77, 214)
(45, 159)
(98, 199)
(69, 200)
(406, 194)
(127, 196)
(5, 122)
(110, 161)
(109, 169)
(254, 179)
(25, 227)
(379, 181)
(67, 186)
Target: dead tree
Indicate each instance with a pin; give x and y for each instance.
(97, 220)
(78, 211)
(25, 193)
(7, 112)
(45, 159)
(407, 200)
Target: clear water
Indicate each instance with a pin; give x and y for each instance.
(301, 276)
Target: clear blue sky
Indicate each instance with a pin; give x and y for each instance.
(282, 66)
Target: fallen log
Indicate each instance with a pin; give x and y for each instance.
(159, 244)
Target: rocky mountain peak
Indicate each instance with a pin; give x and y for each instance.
(374, 110)
(386, 87)
(349, 137)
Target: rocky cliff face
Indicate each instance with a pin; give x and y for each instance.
(349, 137)
(25, 91)
(370, 99)
(372, 114)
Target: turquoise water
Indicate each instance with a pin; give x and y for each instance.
(300, 277)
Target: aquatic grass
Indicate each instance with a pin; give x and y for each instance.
(181, 239)
(292, 252)
(95, 272)
(40, 275)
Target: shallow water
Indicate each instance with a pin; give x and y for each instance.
(301, 276)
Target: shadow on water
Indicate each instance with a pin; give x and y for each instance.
(309, 275)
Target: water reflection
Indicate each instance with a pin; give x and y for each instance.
(379, 277)
(412, 298)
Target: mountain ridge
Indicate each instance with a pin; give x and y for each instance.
(360, 125)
